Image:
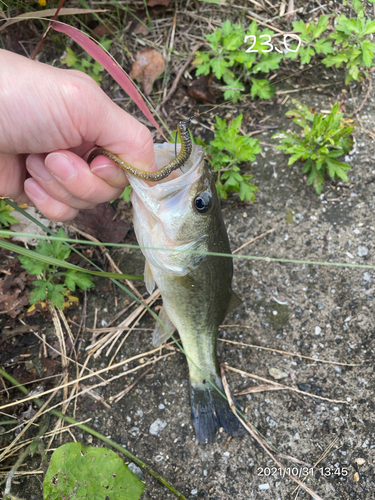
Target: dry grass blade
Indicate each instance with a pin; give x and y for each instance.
(97, 347)
(121, 394)
(256, 377)
(30, 422)
(260, 388)
(254, 239)
(317, 360)
(85, 377)
(111, 261)
(322, 456)
(259, 439)
(48, 13)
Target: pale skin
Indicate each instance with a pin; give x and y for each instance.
(50, 119)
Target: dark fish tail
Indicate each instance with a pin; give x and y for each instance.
(210, 411)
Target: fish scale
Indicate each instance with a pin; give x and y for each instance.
(184, 214)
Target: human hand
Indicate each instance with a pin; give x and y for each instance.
(50, 119)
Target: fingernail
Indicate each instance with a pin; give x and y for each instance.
(107, 172)
(34, 190)
(60, 167)
(35, 165)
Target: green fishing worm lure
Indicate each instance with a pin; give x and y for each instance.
(177, 162)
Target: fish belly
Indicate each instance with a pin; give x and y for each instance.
(196, 306)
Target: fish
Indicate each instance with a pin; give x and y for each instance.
(182, 214)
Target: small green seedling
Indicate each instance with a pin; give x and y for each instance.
(312, 44)
(84, 62)
(228, 59)
(354, 48)
(323, 140)
(226, 152)
(5, 218)
(348, 46)
(77, 471)
(53, 285)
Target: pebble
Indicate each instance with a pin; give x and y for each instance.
(277, 374)
(265, 486)
(136, 470)
(362, 251)
(360, 461)
(356, 477)
(157, 426)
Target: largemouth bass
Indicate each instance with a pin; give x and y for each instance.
(184, 214)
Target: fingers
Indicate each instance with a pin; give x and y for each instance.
(51, 208)
(12, 175)
(62, 183)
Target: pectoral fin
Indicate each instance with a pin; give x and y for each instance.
(149, 279)
(160, 333)
(234, 302)
(186, 281)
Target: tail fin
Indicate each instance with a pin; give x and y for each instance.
(210, 411)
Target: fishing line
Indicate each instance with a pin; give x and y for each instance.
(153, 314)
(195, 252)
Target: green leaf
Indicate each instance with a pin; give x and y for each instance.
(262, 89)
(126, 194)
(5, 218)
(267, 62)
(336, 59)
(368, 50)
(70, 57)
(306, 54)
(247, 191)
(32, 266)
(73, 278)
(51, 261)
(78, 471)
(320, 27)
(370, 27)
(323, 46)
(219, 67)
(56, 296)
(39, 292)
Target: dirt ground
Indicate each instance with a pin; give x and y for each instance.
(317, 311)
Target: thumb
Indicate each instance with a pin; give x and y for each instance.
(100, 121)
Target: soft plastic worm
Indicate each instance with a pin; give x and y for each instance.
(176, 163)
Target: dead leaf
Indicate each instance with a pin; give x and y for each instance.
(148, 66)
(100, 223)
(140, 28)
(105, 29)
(13, 295)
(201, 89)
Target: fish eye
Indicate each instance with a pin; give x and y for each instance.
(202, 202)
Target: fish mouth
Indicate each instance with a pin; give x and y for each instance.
(178, 180)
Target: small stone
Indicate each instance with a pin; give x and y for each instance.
(136, 470)
(277, 374)
(360, 461)
(318, 330)
(356, 477)
(265, 486)
(157, 427)
(362, 251)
